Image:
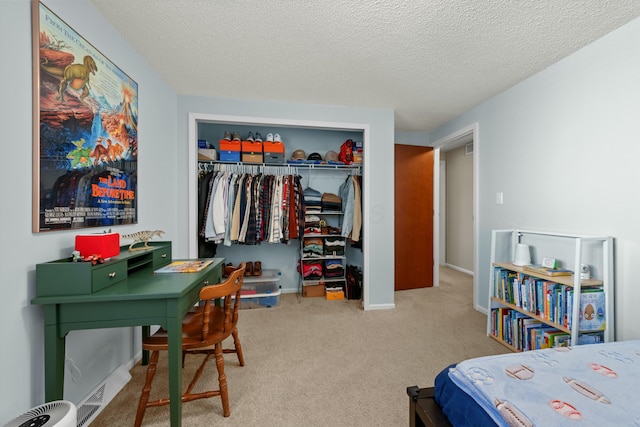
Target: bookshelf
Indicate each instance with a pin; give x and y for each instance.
(529, 309)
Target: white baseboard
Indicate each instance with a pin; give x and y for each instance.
(380, 307)
(460, 269)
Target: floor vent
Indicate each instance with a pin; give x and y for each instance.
(93, 404)
(86, 412)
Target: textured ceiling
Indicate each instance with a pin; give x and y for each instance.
(428, 60)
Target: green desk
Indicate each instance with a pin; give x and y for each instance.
(142, 299)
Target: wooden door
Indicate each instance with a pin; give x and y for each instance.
(413, 217)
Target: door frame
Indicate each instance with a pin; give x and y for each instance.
(195, 118)
(449, 142)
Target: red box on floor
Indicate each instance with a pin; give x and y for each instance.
(106, 245)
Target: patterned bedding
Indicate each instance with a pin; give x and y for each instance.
(593, 385)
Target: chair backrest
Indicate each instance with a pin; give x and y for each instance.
(229, 292)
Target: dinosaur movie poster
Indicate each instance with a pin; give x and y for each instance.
(86, 135)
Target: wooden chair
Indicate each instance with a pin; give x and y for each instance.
(203, 330)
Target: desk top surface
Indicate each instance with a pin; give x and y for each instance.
(142, 284)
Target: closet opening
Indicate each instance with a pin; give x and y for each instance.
(326, 136)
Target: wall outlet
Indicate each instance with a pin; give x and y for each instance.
(499, 198)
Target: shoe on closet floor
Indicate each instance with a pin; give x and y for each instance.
(257, 268)
(248, 271)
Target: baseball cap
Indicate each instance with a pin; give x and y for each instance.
(298, 155)
(314, 156)
(331, 156)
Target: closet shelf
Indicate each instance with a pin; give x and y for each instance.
(352, 167)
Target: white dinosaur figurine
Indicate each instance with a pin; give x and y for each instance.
(141, 237)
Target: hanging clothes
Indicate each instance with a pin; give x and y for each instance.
(249, 208)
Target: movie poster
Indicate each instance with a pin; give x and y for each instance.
(85, 132)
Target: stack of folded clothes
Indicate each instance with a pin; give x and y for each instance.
(334, 231)
(312, 247)
(331, 203)
(333, 269)
(312, 224)
(312, 270)
(334, 246)
(312, 200)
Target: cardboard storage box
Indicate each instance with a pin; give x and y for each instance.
(229, 156)
(207, 154)
(226, 145)
(313, 290)
(274, 157)
(252, 158)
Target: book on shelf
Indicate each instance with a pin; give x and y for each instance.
(551, 338)
(189, 266)
(538, 269)
(562, 340)
(591, 338)
(527, 326)
(592, 310)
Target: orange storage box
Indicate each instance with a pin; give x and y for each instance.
(226, 145)
(273, 147)
(334, 294)
(251, 147)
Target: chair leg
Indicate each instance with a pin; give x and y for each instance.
(238, 346)
(222, 380)
(146, 390)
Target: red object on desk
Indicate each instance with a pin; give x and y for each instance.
(105, 244)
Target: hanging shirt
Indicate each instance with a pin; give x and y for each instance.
(357, 211)
(347, 195)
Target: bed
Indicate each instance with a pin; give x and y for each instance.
(596, 384)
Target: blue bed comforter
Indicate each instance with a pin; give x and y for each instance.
(593, 385)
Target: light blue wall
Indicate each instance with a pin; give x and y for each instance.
(563, 147)
(162, 171)
(379, 158)
(95, 353)
(412, 138)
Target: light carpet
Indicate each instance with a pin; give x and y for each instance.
(315, 362)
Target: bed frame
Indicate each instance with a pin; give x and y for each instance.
(423, 409)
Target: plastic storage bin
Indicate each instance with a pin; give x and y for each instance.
(261, 291)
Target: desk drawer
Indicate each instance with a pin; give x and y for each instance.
(211, 279)
(161, 256)
(108, 275)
